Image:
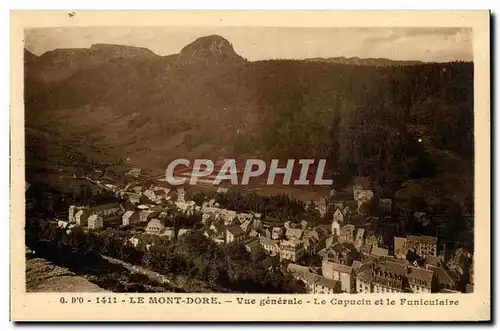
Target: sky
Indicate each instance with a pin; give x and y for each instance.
(260, 43)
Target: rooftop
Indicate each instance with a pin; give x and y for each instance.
(268, 242)
(297, 268)
(236, 231)
(93, 217)
(378, 251)
(426, 239)
(146, 212)
(154, 222)
(253, 244)
(420, 273)
(365, 276)
(348, 228)
(446, 277)
(338, 267)
(393, 267)
(128, 213)
(297, 233)
(328, 283)
(433, 260)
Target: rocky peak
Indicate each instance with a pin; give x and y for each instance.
(208, 50)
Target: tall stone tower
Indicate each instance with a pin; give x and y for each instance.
(71, 214)
(181, 193)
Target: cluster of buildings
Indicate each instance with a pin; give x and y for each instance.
(146, 208)
(355, 260)
(228, 226)
(94, 217)
(354, 257)
(291, 241)
(139, 194)
(345, 269)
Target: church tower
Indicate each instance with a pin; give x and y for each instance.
(181, 193)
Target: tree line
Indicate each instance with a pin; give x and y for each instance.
(227, 267)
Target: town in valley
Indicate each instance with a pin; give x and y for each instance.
(350, 241)
(104, 120)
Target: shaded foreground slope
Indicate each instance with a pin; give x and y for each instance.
(43, 276)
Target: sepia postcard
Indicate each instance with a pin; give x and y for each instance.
(322, 166)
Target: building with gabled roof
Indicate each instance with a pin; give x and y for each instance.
(109, 212)
(323, 285)
(422, 245)
(130, 217)
(342, 253)
(347, 233)
(293, 233)
(340, 216)
(420, 280)
(379, 252)
(155, 227)
(270, 246)
(292, 250)
(235, 234)
(169, 233)
(364, 281)
(447, 281)
(339, 272)
(95, 221)
(146, 215)
(389, 277)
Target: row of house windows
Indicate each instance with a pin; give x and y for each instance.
(417, 281)
(419, 289)
(363, 288)
(386, 290)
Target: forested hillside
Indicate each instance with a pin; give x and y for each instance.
(391, 123)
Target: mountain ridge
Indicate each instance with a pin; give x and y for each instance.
(60, 63)
(358, 117)
(379, 62)
(212, 48)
